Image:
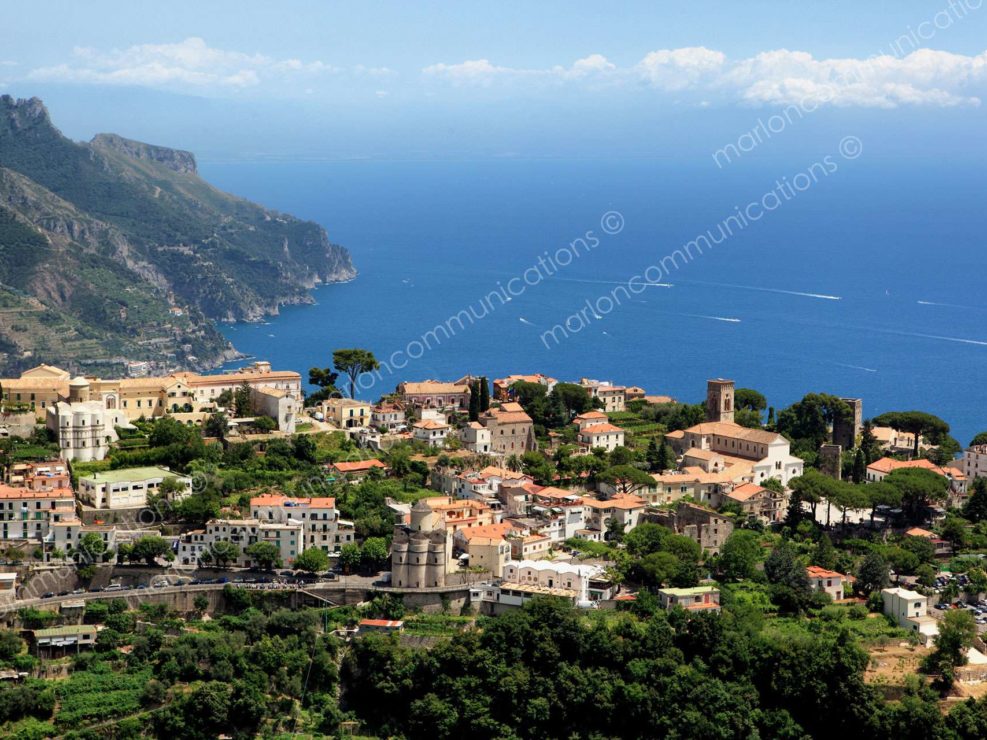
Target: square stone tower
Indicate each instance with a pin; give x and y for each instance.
(719, 400)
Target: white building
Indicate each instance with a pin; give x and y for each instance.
(288, 538)
(910, 610)
(387, 416)
(29, 515)
(476, 438)
(67, 533)
(128, 488)
(607, 436)
(697, 598)
(319, 518)
(432, 433)
(526, 579)
(84, 428)
(827, 581)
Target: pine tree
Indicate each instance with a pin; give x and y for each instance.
(771, 418)
(484, 394)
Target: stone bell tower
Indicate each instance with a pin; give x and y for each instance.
(719, 400)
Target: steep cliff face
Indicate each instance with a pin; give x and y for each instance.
(173, 159)
(141, 214)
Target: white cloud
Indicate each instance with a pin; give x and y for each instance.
(483, 73)
(680, 69)
(777, 77)
(472, 71)
(191, 63)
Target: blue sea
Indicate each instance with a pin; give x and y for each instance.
(866, 283)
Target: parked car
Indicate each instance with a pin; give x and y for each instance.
(49, 595)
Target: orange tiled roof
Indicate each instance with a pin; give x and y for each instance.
(815, 571)
(601, 429)
(889, 464)
(746, 491)
(12, 493)
(625, 501)
(358, 466)
(277, 499)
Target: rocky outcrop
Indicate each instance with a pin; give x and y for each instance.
(174, 159)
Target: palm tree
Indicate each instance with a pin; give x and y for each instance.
(513, 463)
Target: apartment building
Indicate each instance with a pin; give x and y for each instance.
(318, 517)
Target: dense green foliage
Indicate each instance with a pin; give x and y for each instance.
(545, 671)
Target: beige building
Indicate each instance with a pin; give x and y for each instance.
(756, 501)
(40, 388)
(511, 429)
(613, 397)
(490, 553)
(975, 462)
(347, 413)
(768, 453)
(623, 509)
(719, 400)
(910, 610)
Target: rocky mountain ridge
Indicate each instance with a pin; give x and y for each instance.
(125, 250)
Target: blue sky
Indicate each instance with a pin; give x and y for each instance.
(495, 79)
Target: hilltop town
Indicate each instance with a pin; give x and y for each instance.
(446, 504)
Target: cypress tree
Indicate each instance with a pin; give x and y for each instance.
(654, 456)
(475, 400)
(484, 394)
(859, 467)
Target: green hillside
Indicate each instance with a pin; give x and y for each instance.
(125, 243)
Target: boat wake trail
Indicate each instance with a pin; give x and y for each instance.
(950, 305)
(728, 319)
(856, 367)
(818, 296)
(611, 282)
